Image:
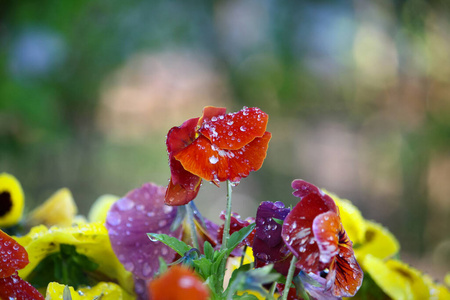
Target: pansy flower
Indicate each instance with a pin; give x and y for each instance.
(88, 242)
(11, 200)
(143, 211)
(268, 246)
(215, 147)
(314, 233)
(14, 257)
(178, 283)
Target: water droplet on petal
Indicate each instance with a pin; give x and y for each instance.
(125, 204)
(164, 251)
(129, 266)
(146, 270)
(230, 122)
(113, 218)
(243, 128)
(213, 160)
(162, 223)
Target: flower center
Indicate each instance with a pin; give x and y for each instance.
(5, 203)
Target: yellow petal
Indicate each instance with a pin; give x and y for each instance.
(437, 291)
(103, 290)
(90, 239)
(352, 220)
(59, 209)
(11, 200)
(379, 242)
(100, 208)
(397, 279)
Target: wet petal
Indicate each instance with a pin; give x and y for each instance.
(326, 228)
(214, 164)
(351, 219)
(90, 239)
(102, 290)
(210, 112)
(345, 276)
(130, 219)
(180, 137)
(14, 287)
(177, 194)
(178, 283)
(235, 130)
(268, 246)
(13, 256)
(11, 200)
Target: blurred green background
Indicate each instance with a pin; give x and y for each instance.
(357, 93)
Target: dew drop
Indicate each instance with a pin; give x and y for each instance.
(151, 214)
(164, 251)
(162, 223)
(129, 266)
(167, 209)
(230, 122)
(140, 207)
(230, 133)
(146, 270)
(125, 204)
(243, 128)
(213, 160)
(114, 218)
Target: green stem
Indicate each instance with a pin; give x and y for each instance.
(272, 290)
(190, 216)
(289, 277)
(243, 256)
(226, 229)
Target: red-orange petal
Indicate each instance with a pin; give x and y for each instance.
(326, 228)
(180, 137)
(214, 164)
(345, 273)
(14, 287)
(210, 112)
(234, 131)
(177, 195)
(178, 283)
(13, 256)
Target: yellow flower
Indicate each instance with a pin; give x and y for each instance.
(378, 242)
(368, 237)
(11, 200)
(400, 281)
(103, 291)
(100, 208)
(90, 239)
(59, 209)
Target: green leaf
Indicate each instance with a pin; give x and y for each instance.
(278, 221)
(162, 265)
(239, 236)
(203, 267)
(208, 250)
(180, 247)
(66, 267)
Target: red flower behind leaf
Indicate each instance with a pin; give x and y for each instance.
(313, 232)
(215, 147)
(178, 283)
(14, 257)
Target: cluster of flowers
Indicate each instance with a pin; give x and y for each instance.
(154, 244)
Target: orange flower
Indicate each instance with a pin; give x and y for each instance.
(178, 283)
(216, 147)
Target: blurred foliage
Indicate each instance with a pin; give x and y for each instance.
(357, 93)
